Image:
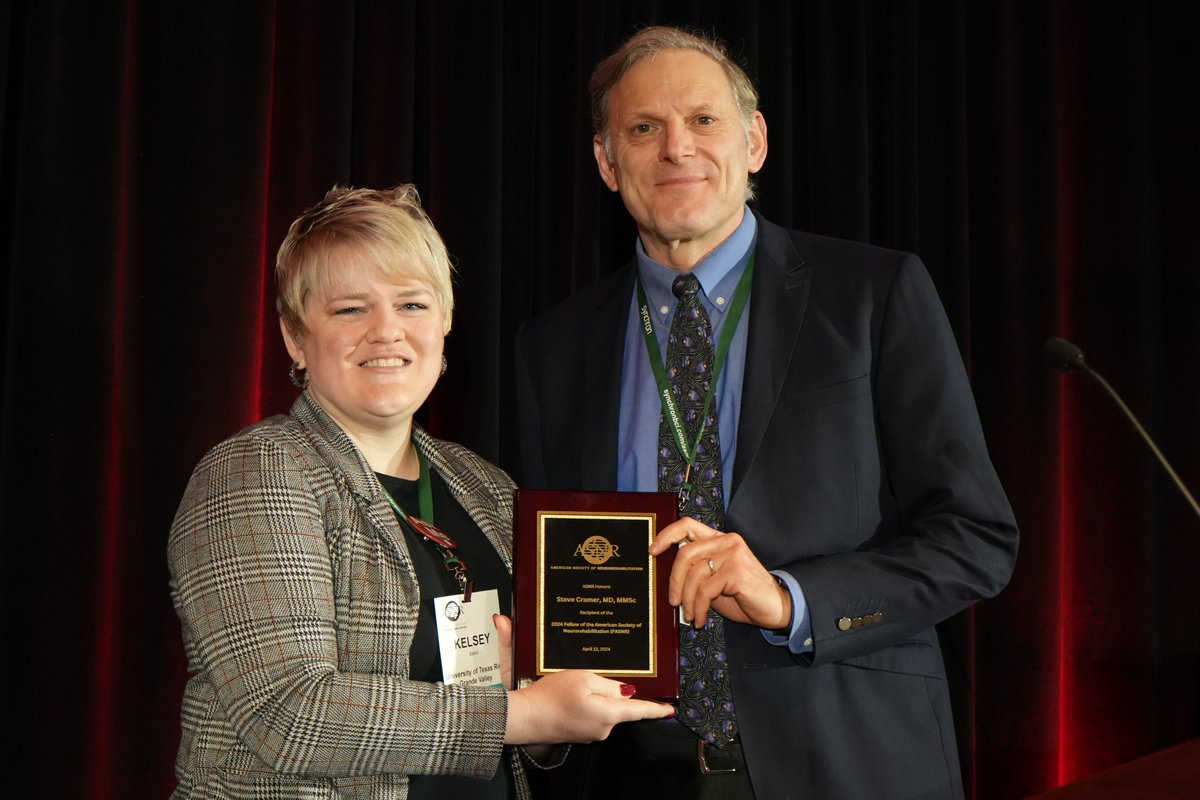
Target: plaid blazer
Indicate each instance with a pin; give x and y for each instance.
(298, 601)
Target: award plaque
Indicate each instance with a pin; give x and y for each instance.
(588, 593)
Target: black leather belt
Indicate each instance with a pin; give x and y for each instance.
(662, 759)
(720, 760)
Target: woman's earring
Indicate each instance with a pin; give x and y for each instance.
(445, 366)
(300, 381)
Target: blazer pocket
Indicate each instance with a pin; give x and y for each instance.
(912, 657)
(831, 394)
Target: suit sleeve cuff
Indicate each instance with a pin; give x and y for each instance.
(799, 636)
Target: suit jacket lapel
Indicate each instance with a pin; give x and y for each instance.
(778, 298)
(604, 348)
(486, 503)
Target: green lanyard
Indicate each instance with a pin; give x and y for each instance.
(425, 528)
(670, 408)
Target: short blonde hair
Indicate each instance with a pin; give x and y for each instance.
(387, 230)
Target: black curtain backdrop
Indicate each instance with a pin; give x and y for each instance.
(1041, 156)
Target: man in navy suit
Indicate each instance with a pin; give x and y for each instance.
(860, 505)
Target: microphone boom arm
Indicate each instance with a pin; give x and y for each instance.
(1137, 426)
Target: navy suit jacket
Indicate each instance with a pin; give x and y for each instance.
(861, 469)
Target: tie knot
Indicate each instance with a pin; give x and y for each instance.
(685, 285)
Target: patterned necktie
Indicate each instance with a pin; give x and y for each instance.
(705, 699)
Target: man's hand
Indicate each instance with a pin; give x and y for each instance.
(717, 569)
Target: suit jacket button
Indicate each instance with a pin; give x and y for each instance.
(843, 624)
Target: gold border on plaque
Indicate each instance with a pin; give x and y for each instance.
(651, 519)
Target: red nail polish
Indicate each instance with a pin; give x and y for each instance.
(672, 714)
(628, 690)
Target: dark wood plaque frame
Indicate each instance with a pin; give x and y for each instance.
(657, 680)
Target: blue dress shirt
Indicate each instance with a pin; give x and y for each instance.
(641, 408)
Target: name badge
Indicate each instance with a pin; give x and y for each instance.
(467, 638)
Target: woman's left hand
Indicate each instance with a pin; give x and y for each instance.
(504, 632)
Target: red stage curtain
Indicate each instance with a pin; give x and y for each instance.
(1041, 157)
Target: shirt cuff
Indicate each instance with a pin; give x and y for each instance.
(799, 638)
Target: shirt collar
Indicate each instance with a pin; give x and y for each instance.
(718, 272)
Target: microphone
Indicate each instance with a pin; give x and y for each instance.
(1065, 356)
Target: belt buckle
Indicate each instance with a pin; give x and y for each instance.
(704, 768)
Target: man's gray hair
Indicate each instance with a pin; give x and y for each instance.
(647, 43)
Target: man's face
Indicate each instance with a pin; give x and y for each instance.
(680, 154)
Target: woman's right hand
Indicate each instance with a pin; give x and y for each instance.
(574, 706)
